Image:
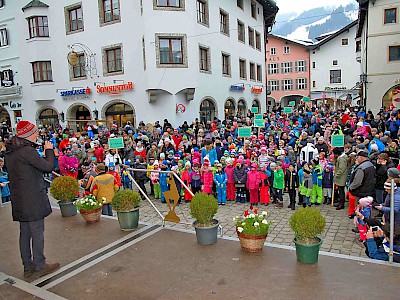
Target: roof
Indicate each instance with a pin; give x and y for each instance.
(270, 11)
(362, 13)
(34, 3)
(285, 39)
(334, 35)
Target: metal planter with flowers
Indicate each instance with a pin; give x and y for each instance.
(90, 208)
(252, 229)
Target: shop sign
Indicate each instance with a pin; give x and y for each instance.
(115, 89)
(335, 88)
(14, 105)
(86, 91)
(238, 87)
(274, 58)
(257, 90)
(7, 78)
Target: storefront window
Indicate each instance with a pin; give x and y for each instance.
(229, 108)
(48, 117)
(207, 111)
(120, 114)
(242, 108)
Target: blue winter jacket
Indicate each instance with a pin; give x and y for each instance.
(221, 178)
(212, 155)
(386, 208)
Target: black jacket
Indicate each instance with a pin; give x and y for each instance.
(291, 180)
(29, 198)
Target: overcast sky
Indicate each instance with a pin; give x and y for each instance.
(299, 6)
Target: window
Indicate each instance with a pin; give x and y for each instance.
(204, 56)
(345, 42)
(224, 22)
(273, 85)
(114, 60)
(390, 16)
(286, 67)
(287, 84)
(242, 69)
(38, 27)
(313, 64)
(111, 10)
(286, 50)
(79, 71)
(258, 40)
(394, 53)
(42, 71)
(168, 3)
(335, 62)
(252, 71)
(241, 34)
(1, 3)
(3, 37)
(75, 19)
(202, 12)
(314, 84)
(171, 51)
(240, 3)
(226, 64)
(251, 37)
(272, 51)
(335, 76)
(259, 73)
(273, 68)
(301, 83)
(358, 46)
(301, 66)
(253, 10)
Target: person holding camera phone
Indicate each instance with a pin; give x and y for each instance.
(378, 243)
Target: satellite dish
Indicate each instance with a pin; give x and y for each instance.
(73, 59)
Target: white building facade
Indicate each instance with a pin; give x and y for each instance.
(378, 51)
(122, 61)
(334, 70)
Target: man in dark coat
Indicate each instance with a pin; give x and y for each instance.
(29, 200)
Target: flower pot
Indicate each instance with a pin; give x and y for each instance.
(206, 235)
(91, 216)
(68, 209)
(307, 254)
(251, 243)
(128, 220)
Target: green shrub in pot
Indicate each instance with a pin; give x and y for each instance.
(125, 200)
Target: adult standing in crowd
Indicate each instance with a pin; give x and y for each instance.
(29, 200)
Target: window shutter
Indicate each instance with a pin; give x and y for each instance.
(6, 37)
(297, 66)
(305, 66)
(283, 67)
(283, 85)
(297, 84)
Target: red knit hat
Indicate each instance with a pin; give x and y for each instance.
(25, 129)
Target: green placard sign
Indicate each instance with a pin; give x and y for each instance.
(259, 123)
(292, 103)
(116, 143)
(254, 110)
(287, 110)
(244, 132)
(337, 140)
(258, 117)
(306, 99)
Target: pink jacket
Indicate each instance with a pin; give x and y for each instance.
(229, 172)
(68, 162)
(207, 179)
(361, 131)
(253, 180)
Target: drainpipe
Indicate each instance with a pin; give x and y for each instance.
(366, 61)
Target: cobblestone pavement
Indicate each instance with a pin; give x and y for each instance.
(338, 237)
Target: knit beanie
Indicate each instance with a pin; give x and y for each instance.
(25, 129)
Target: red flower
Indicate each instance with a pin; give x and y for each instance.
(251, 207)
(256, 211)
(246, 213)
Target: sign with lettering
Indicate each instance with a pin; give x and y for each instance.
(14, 105)
(244, 132)
(258, 117)
(259, 123)
(287, 110)
(335, 88)
(115, 89)
(337, 140)
(292, 103)
(257, 90)
(7, 78)
(306, 99)
(116, 143)
(78, 92)
(254, 110)
(238, 87)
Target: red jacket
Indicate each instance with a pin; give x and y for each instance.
(253, 180)
(99, 154)
(177, 140)
(141, 153)
(229, 172)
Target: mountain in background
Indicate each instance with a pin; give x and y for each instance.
(314, 22)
